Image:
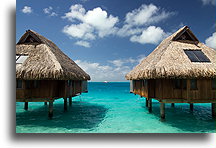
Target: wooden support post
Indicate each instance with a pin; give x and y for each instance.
(26, 106)
(50, 109)
(45, 103)
(191, 106)
(172, 104)
(214, 110)
(150, 105)
(65, 104)
(146, 102)
(70, 101)
(162, 111)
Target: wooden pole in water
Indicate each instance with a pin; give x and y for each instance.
(45, 103)
(150, 105)
(65, 104)
(172, 104)
(26, 106)
(162, 111)
(50, 109)
(70, 101)
(146, 102)
(213, 110)
(191, 106)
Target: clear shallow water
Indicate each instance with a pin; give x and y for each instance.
(110, 108)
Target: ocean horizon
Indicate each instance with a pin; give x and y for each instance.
(111, 108)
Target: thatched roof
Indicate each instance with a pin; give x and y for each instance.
(45, 60)
(169, 59)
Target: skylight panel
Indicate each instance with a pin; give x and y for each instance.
(196, 56)
(21, 58)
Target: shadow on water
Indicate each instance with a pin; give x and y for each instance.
(80, 115)
(199, 120)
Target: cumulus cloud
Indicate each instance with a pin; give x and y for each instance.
(151, 35)
(81, 31)
(211, 41)
(97, 23)
(115, 71)
(83, 43)
(97, 19)
(49, 11)
(117, 63)
(27, 9)
(208, 2)
(137, 20)
(146, 14)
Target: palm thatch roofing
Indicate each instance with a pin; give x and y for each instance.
(169, 59)
(45, 60)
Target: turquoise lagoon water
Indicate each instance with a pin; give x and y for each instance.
(110, 108)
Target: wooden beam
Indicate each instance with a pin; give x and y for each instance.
(172, 104)
(65, 104)
(214, 110)
(191, 106)
(150, 105)
(34, 99)
(26, 106)
(45, 103)
(50, 109)
(70, 101)
(162, 111)
(186, 100)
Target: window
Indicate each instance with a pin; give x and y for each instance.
(69, 82)
(36, 84)
(193, 84)
(177, 84)
(184, 84)
(196, 56)
(145, 82)
(213, 83)
(21, 58)
(180, 84)
(28, 84)
(19, 84)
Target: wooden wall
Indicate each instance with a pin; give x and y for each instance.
(49, 89)
(164, 90)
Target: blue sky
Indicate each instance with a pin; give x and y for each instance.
(108, 38)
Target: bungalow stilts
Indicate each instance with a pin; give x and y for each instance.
(44, 73)
(191, 106)
(172, 104)
(70, 101)
(180, 70)
(213, 110)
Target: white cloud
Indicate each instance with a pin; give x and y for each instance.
(151, 35)
(98, 19)
(137, 20)
(206, 2)
(146, 14)
(128, 30)
(96, 23)
(117, 63)
(49, 11)
(27, 9)
(83, 43)
(115, 71)
(81, 31)
(211, 41)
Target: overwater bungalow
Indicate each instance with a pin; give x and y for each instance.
(44, 73)
(180, 70)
